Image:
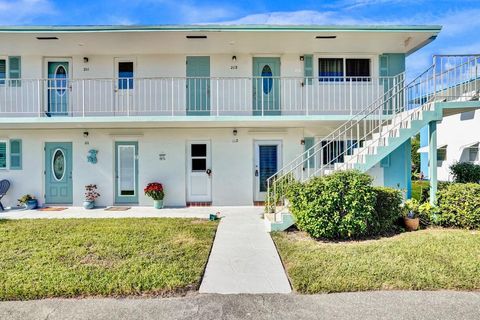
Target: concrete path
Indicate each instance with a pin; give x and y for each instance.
(244, 258)
(363, 305)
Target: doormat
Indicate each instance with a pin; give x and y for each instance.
(52, 209)
(117, 208)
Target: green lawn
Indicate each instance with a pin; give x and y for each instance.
(417, 186)
(430, 259)
(102, 257)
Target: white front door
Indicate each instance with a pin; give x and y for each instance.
(124, 85)
(268, 160)
(199, 171)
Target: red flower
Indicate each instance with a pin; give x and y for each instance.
(154, 190)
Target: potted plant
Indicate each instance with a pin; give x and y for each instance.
(411, 214)
(28, 201)
(91, 195)
(155, 191)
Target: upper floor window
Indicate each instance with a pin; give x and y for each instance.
(3, 71)
(473, 153)
(125, 75)
(10, 71)
(340, 69)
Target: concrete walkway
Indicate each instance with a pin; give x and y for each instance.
(244, 258)
(361, 305)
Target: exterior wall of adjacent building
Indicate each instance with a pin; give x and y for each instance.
(457, 133)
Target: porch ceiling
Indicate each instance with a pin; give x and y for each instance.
(266, 40)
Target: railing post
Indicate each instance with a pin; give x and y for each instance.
(218, 96)
(171, 97)
(306, 97)
(434, 78)
(39, 100)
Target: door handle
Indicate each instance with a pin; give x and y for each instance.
(256, 173)
(208, 171)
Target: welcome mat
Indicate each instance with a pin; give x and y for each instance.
(52, 209)
(117, 208)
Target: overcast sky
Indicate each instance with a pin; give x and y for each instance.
(460, 19)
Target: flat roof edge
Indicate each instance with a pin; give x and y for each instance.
(223, 27)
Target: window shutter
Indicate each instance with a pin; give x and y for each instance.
(309, 142)
(308, 68)
(16, 154)
(3, 71)
(3, 155)
(383, 65)
(14, 71)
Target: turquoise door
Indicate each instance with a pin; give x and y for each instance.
(126, 172)
(58, 173)
(266, 86)
(198, 86)
(58, 88)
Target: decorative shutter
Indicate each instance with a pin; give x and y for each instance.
(384, 65)
(3, 155)
(3, 70)
(308, 68)
(16, 154)
(14, 71)
(309, 162)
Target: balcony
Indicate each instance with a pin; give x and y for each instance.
(181, 96)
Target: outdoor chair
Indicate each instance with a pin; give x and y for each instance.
(4, 186)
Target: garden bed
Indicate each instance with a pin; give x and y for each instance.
(102, 257)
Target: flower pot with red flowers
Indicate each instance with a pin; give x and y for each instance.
(91, 195)
(155, 191)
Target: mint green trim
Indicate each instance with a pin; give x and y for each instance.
(432, 154)
(58, 191)
(213, 28)
(15, 154)
(308, 68)
(126, 199)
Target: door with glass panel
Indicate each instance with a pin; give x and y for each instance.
(58, 173)
(58, 87)
(199, 171)
(266, 86)
(124, 85)
(267, 162)
(126, 172)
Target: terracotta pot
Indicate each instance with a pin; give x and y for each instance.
(411, 224)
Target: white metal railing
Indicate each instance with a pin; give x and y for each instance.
(180, 96)
(450, 78)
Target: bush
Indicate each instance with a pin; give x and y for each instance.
(425, 196)
(338, 206)
(465, 172)
(459, 206)
(387, 210)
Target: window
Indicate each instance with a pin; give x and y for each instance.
(10, 68)
(358, 69)
(340, 69)
(441, 154)
(125, 75)
(473, 153)
(330, 69)
(199, 157)
(332, 152)
(3, 154)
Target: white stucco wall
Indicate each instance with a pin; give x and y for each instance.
(456, 132)
(232, 162)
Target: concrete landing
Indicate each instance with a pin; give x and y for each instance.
(244, 258)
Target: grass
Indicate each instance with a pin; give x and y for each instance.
(417, 187)
(431, 259)
(102, 257)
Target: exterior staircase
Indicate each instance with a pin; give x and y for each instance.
(450, 86)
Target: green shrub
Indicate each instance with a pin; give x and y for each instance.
(459, 206)
(337, 206)
(387, 210)
(425, 197)
(465, 172)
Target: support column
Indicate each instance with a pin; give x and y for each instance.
(432, 160)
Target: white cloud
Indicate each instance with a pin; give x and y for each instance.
(24, 11)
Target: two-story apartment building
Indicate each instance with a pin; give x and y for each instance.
(209, 111)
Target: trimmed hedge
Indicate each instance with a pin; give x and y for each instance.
(465, 172)
(459, 206)
(343, 205)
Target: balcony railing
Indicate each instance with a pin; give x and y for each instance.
(175, 96)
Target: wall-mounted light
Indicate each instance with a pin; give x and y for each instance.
(85, 59)
(302, 142)
(234, 58)
(85, 134)
(302, 58)
(235, 132)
